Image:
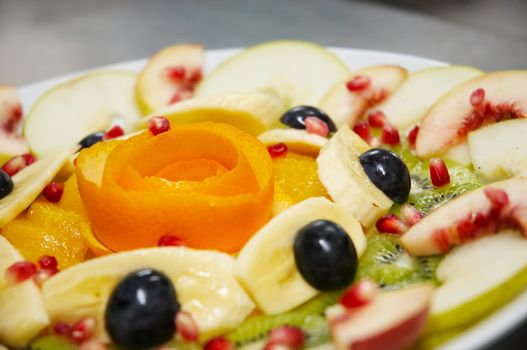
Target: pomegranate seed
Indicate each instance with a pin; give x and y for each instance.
(291, 337)
(176, 73)
(358, 83)
(363, 130)
(377, 119)
(82, 330)
(114, 132)
(410, 214)
(277, 150)
(477, 97)
(195, 76)
(158, 125)
(53, 192)
(498, 197)
(170, 241)
(412, 136)
(48, 262)
(43, 275)
(181, 95)
(62, 328)
(187, 327)
(359, 294)
(17, 163)
(20, 271)
(390, 135)
(219, 343)
(316, 126)
(391, 223)
(439, 172)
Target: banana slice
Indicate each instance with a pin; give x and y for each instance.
(341, 172)
(204, 283)
(29, 182)
(23, 315)
(298, 141)
(253, 113)
(266, 265)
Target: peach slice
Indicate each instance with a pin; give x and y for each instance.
(393, 320)
(486, 99)
(345, 107)
(469, 216)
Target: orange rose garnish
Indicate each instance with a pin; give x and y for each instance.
(209, 184)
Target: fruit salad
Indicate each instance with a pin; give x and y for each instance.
(279, 201)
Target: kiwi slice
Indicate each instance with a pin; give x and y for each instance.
(309, 317)
(387, 263)
(425, 197)
(51, 342)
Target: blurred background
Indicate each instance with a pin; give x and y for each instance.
(40, 39)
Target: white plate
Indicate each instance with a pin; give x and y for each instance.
(485, 332)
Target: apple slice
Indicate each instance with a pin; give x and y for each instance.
(171, 71)
(393, 320)
(66, 113)
(297, 72)
(297, 140)
(470, 215)
(489, 98)
(409, 104)
(499, 150)
(250, 112)
(22, 307)
(11, 145)
(478, 278)
(345, 107)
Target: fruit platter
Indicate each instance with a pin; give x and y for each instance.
(282, 196)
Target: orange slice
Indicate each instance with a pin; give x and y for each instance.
(296, 179)
(209, 184)
(48, 230)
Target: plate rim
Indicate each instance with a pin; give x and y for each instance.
(487, 331)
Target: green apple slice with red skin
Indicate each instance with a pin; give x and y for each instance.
(11, 144)
(65, 114)
(499, 150)
(472, 286)
(346, 107)
(156, 87)
(392, 320)
(298, 72)
(496, 96)
(422, 88)
(479, 212)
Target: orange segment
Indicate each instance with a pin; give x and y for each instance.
(48, 229)
(210, 184)
(296, 179)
